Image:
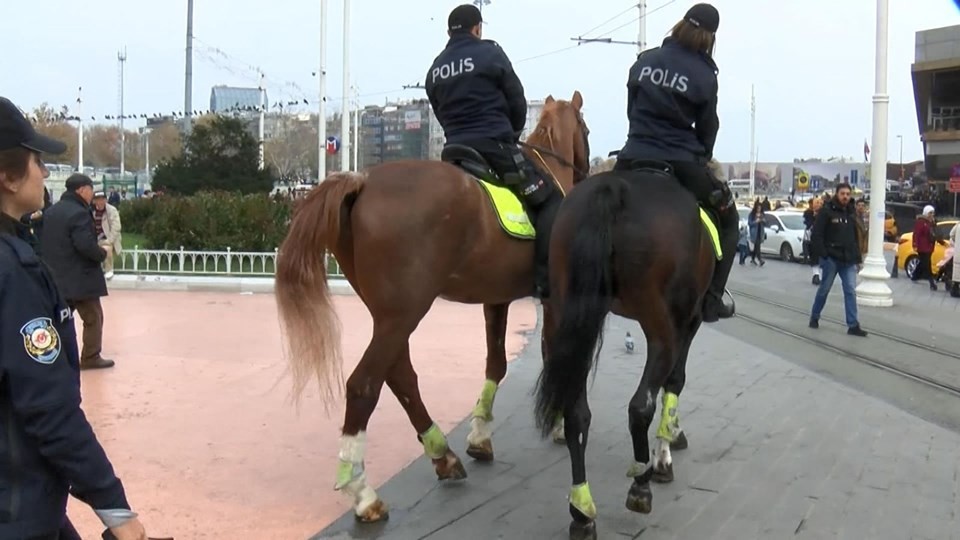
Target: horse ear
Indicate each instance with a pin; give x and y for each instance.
(577, 100)
(549, 100)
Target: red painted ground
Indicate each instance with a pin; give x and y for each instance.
(196, 421)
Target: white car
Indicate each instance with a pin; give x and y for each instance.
(784, 234)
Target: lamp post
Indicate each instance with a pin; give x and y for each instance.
(345, 104)
(873, 289)
(322, 111)
(902, 171)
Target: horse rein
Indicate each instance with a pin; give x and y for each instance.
(581, 173)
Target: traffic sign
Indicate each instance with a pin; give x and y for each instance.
(954, 185)
(333, 145)
(803, 181)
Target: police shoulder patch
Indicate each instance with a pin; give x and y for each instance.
(41, 340)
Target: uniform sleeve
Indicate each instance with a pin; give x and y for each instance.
(513, 89)
(818, 240)
(708, 123)
(631, 89)
(46, 400)
(84, 238)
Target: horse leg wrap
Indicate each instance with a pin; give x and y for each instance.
(484, 408)
(434, 442)
(582, 500)
(638, 469)
(351, 478)
(669, 419)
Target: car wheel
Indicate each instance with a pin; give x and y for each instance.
(910, 266)
(786, 252)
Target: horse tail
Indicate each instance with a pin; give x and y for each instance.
(309, 322)
(576, 341)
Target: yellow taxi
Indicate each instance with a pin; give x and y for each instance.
(907, 258)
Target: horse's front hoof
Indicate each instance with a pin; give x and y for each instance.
(583, 531)
(640, 498)
(374, 513)
(482, 451)
(662, 473)
(449, 467)
(680, 442)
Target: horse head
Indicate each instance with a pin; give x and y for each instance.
(560, 142)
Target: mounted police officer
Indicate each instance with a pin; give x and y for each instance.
(479, 100)
(672, 108)
(47, 447)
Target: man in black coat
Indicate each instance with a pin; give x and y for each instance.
(71, 251)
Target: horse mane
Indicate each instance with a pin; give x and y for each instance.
(543, 134)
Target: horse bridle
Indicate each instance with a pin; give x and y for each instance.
(579, 173)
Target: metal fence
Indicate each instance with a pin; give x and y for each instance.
(204, 263)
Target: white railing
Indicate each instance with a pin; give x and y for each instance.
(209, 263)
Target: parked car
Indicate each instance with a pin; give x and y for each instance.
(784, 234)
(907, 258)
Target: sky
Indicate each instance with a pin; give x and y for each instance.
(811, 61)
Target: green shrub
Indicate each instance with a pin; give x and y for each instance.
(134, 214)
(214, 221)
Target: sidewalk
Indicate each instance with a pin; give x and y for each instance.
(776, 451)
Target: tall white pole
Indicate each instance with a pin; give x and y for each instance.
(146, 151)
(873, 289)
(80, 130)
(753, 142)
(356, 129)
(263, 112)
(322, 112)
(642, 32)
(122, 59)
(345, 104)
(188, 74)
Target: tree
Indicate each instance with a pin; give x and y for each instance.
(293, 149)
(165, 142)
(219, 155)
(53, 124)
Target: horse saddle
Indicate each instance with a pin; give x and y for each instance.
(470, 161)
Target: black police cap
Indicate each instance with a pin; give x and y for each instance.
(17, 132)
(704, 16)
(464, 17)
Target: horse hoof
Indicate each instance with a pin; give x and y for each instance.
(482, 451)
(449, 467)
(680, 443)
(640, 499)
(583, 531)
(376, 512)
(662, 474)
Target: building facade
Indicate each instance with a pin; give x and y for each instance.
(936, 86)
(225, 99)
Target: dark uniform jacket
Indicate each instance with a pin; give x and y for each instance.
(834, 234)
(70, 249)
(672, 106)
(474, 92)
(46, 444)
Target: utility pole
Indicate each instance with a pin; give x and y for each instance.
(753, 141)
(80, 130)
(322, 113)
(188, 75)
(345, 104)
(642, 32)
(263, 112)
(356, 129)
(121, 60)
(480, 4)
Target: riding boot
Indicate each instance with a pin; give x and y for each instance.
(542, 216)
(713, 307)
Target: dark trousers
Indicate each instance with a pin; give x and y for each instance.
(91, 312)
(924, 268)
(538, 193)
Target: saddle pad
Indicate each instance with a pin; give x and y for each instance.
(712, 231)
(510, 213)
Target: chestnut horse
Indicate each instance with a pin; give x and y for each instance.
(631, 243)
(406, 233)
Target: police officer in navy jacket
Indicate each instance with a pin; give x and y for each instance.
(672, 109)
(47, 447)
(479, 100)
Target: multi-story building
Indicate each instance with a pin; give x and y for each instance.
(936, 86)
(224, 99)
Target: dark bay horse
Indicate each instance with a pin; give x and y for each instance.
(406, 233)
(630, 243)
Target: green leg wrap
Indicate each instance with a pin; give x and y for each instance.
(484, 408)
(582, 500)
(669, 420)
(434, 442)
(346, 473)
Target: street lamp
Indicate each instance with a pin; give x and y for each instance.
(902, 171)
(873, 289)
(480, 4)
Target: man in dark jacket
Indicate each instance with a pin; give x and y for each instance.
(479, 100)
(834, 241)
(71, 251)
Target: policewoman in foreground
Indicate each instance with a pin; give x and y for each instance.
(47, 448)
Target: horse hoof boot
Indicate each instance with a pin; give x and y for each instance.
(482, 451)
(680, 442)
(583, 531)
(449, 467)
(662, 473)
(640, 498)
(376, 512)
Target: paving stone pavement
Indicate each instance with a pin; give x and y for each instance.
(776, 451)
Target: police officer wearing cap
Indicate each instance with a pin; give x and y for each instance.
(47, 448)
(479, 100)
(672, 109)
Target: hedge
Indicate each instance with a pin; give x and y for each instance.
(208, 221)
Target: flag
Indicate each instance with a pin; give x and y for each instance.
(866, 151)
